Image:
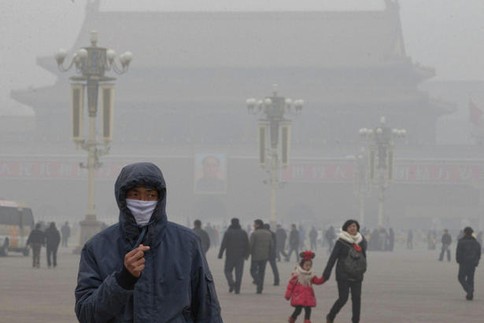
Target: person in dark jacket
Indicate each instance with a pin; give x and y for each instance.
(468, 254)
(281, 237)
(329, 236)
(272, 255)
(52, 241)
(446, 241)
(260, 249)
(144, 268)
(36, 240)
(350, 237)
(313, 238)
(235, 243)
(65, 233)
(204, 238)
(293, 243)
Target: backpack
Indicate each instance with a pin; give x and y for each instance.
(354, 264)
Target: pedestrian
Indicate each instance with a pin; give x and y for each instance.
(329, 236)
(212, 234)
(52, 241)
(272, 255)
(293, 243)
(144, 268)
(281, 237)
(302, 237)
(36, 240)
(410, 239)
(390, 239)
(446, 241)
(468, 254)
(66, 233)
(350, 246)
(313, 238)
(300, 290)
(235, 243)
(431, 239)
(260, 249)
(202, 234)
(382, 239)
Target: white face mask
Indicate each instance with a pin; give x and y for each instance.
(141, 210)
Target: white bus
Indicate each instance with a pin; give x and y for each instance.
(16, 222)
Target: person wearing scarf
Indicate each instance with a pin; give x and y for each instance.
(350, 237)
(300, 287)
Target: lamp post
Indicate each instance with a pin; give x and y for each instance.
(380, 141)
(91, 63)
(274, 136)
(361, 183)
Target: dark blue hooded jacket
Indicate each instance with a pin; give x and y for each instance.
(176, 285)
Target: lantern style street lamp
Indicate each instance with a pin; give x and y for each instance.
(380, 142)
(91, 64)
(362, 185)
(274, 137)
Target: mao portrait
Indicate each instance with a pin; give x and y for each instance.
(210, 174)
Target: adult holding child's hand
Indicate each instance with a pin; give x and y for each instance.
(350, 254)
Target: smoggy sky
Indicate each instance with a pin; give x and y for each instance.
(444, 34)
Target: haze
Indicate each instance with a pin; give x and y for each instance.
(437, 34)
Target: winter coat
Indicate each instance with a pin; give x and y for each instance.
(52, 238)
(272, 253)
(235, 243)
(260, 244)
(446, 239)
(281, 237)
(302, 294)
(468, 251)
(294, 238)
(175, 286)
(36, 236)
(338, 254)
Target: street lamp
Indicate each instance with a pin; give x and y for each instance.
(91, 63)
(362, 185)
(380, 141)
(274, 136)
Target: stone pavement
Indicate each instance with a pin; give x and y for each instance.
(403, 286)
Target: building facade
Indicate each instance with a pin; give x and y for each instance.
(184, 97)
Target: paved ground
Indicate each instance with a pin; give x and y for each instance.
(403, 286)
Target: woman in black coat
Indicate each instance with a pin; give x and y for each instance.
(349, 279)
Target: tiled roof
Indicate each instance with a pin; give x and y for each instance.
(248, 39)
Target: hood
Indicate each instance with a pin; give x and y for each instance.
(145, 174)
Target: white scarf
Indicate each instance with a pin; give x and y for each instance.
(141, 210)
(304, 277)
(357, 238)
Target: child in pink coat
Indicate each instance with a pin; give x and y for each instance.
(300, 287)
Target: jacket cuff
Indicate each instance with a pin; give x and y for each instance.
(125, 279)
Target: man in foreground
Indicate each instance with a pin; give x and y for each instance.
(144, 268)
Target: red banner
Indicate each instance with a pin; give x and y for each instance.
(49, 169)
(431, 172)
(310, 172)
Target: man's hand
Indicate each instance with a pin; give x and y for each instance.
(134, 261)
